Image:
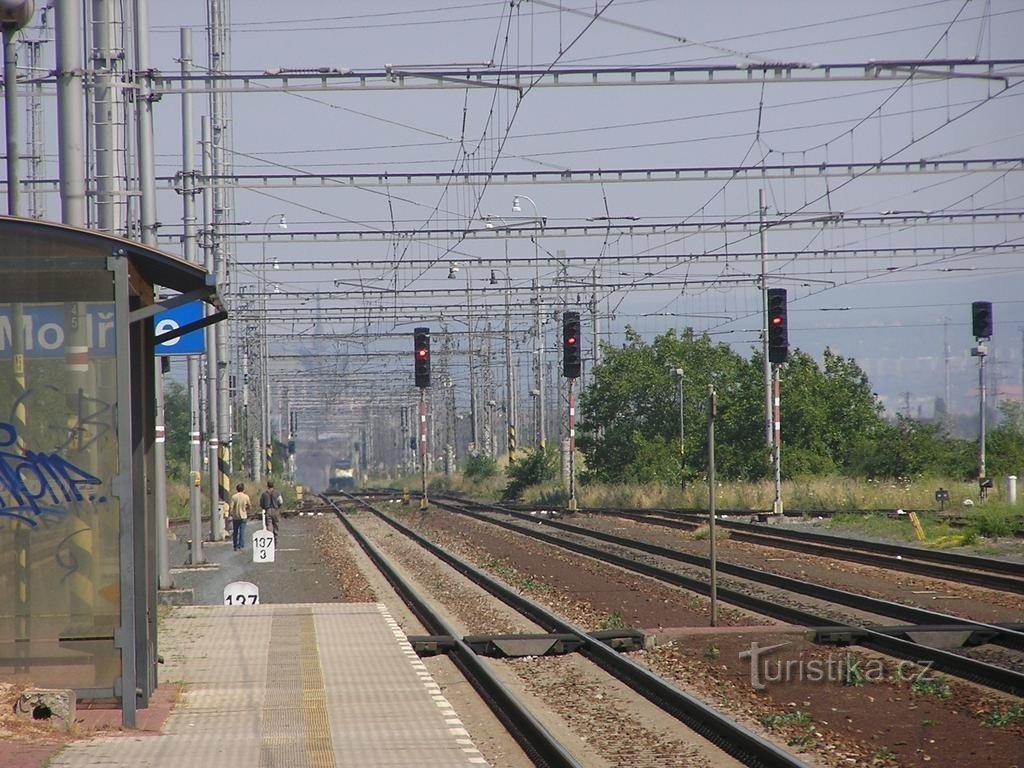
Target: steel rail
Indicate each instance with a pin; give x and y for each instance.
(728, 735)
(903, 564)
(986, 572)
(949, 558)
(986, 674)
(544, 750)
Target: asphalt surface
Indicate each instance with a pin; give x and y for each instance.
(297, 575)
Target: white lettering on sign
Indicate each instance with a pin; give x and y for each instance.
(165, 325)
(262, 546)
(241, 593)
(43, 328)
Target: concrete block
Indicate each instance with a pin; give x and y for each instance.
(53, 705)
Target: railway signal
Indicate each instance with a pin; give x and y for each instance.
(421, 347)
(778, 334)
(571, 345)
(981, 319)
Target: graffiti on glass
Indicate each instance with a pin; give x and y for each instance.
(36, 484)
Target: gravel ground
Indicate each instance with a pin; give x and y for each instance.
(881, 720)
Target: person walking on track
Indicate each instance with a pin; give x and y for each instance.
(239, 510)
(270, 502)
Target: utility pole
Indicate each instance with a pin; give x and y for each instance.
(540, 366)
(945, 356)
(219, 482)
(712, 552)
(188, 217)
(768, 427)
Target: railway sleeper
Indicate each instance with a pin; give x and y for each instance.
(515, 646)
(942, 636)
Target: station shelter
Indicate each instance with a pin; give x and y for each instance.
(78, 574)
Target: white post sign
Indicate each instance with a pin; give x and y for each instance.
(241, 593)
(262, 546)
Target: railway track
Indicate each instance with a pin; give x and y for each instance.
(871, 636)
(951, 566)
(744, 745)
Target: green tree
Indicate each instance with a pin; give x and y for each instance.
(909, 448)
(629, 426)
(178, 424)
(826, 412)
(1004, 445)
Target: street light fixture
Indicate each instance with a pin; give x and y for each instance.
(264, 444)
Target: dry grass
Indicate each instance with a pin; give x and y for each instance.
(816, 493)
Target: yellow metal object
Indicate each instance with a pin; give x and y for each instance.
(918, 530)
(197, 479)
(405, 496)
(299, 491)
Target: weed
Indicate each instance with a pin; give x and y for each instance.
(849, 671)
(712, 652)
(529, 584)
(932, 686)
(805, 739)
(786, 719)
(798, 721)
(1013, 714)
(613, 621)
(927, 723)
(883, 756)
(703, 533)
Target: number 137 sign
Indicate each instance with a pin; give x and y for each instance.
(241, 593)
(262, 546)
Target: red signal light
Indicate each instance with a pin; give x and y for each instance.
(571, 340)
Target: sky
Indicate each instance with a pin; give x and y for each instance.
(627, 182)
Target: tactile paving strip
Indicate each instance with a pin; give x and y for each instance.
(293, 721)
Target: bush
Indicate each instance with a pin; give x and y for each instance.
(479, 467)
(534, 468)
(992, 524)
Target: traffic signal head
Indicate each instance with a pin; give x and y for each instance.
(981, 319)
(421, 350)
(778, 326)
(571, 345)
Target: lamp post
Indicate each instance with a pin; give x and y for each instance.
(265, 444)
(517, 207)
(510, 395)
(677, 373)
(452, 274)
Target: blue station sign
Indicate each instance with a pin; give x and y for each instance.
(193, 343)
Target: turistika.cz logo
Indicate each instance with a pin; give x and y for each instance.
(844, 669)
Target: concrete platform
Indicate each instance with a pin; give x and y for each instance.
(312, 684)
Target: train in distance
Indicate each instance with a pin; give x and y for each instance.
(343, 476)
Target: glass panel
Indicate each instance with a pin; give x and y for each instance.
(59, 520)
